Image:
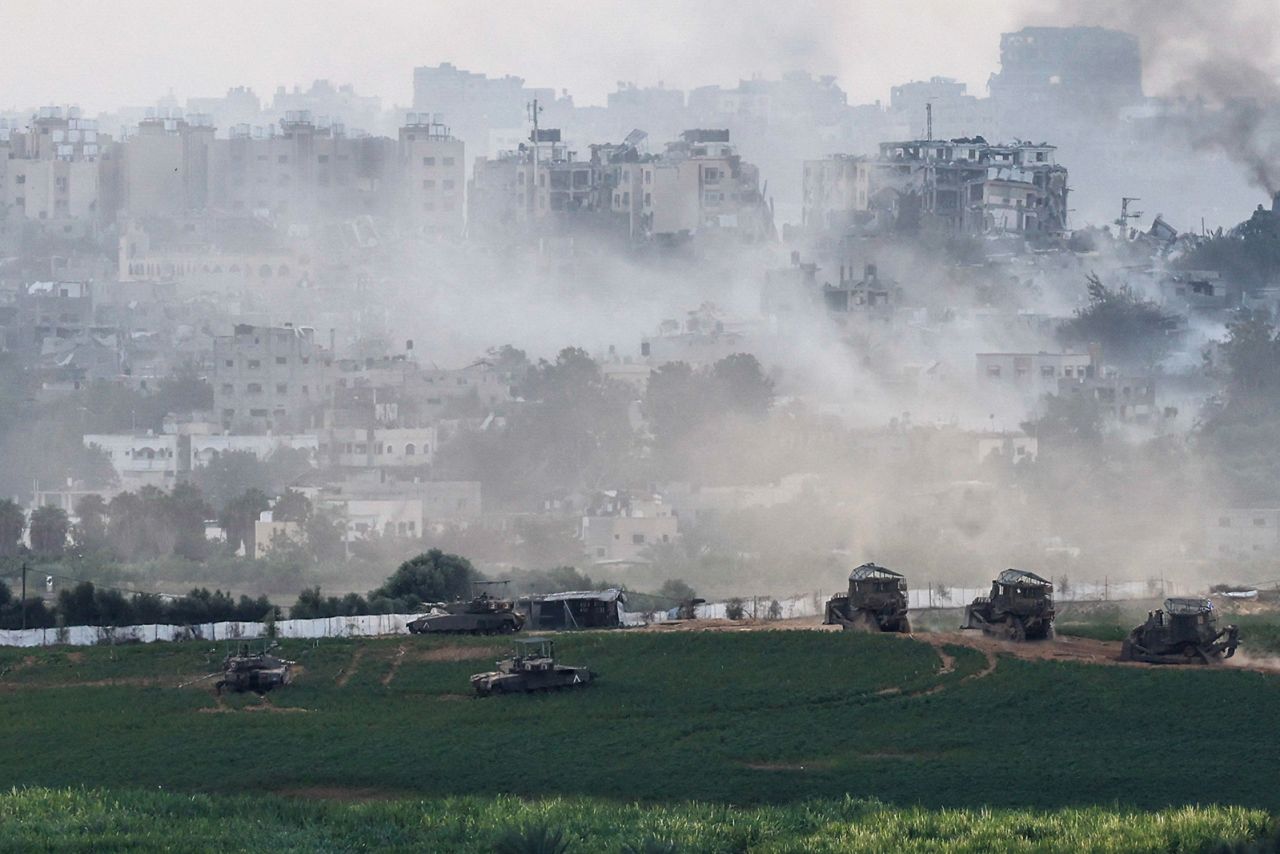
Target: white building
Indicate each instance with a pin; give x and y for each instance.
(141, 460)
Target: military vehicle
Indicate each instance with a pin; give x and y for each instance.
(482, 615)
(1185, 632)
(258, 672)
(1019, 608)
(876, 602)
(532, 667)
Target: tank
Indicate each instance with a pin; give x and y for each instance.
(1185, 632)
(258, 672)
(876, 602)
(1019, 608)
(482, 615)
(531, 667)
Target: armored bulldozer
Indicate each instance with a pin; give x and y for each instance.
(482, 615)
(1019, 608)
(532, 667)
(876, 602)
(1185, 632)
(258, 672)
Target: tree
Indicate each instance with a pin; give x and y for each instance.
(238, 517)
(741, 386)
(1132, 331)
(1240, 428)
(231, 474)
(430, 577)
(675, 402)
(1067, 422)
(49, 527)
(187, 512)
(12, 523)
(325, 536)
(90, 531)
(291, 506)
(676, 590)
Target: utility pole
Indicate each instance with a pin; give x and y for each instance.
(24, 595)
(928, 121)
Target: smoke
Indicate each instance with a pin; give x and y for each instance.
(1219, 57)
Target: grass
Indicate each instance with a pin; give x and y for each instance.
(36, 819)
(1259, 633)
(781, 737)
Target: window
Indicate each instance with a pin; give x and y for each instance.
(254, 388)
(637, 539)
(1259, 522)
(428, 184)
(257, 413)
(448, 185)
(993, 371)
(254, 363)
(1224, 521)
(282, 388)
(448, 161)
(323, 158)
(410, 450)
(282, 360)
(231, 363)
(228, 388)
(428, 161)
(1047, 371)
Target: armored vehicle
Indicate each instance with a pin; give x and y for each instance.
(1019, 608)
(1185, 632)
(532, 667)
(483, 615)
(876, 602)
(258, 672)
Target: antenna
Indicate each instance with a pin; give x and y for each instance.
(534, 110)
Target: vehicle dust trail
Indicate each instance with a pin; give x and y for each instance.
(395, 665)
(345, 674)
(457, 653)
(1258, 663)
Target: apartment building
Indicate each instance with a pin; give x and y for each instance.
(269, 378)
(432, 166)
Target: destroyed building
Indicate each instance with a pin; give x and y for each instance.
(965, 185)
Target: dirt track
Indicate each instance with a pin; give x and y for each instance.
(1061, 648)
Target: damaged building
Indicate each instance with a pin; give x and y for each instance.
(964, 185)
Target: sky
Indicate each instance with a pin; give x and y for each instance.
(102, 55)
(130, 52)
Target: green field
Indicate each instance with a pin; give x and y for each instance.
(772, 737)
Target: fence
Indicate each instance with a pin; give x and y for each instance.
(375, 625)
